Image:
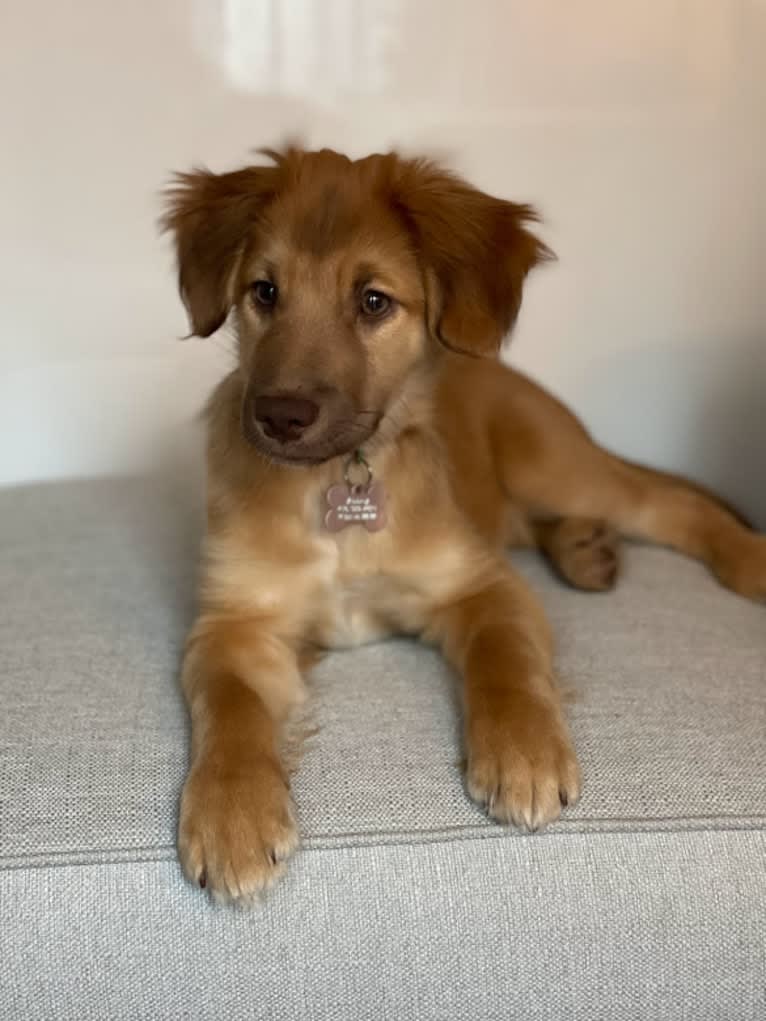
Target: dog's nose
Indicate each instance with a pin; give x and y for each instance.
(285, 417)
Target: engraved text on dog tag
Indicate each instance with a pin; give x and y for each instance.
(352, 505)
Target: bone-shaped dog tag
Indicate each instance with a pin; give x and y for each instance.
(356, 505)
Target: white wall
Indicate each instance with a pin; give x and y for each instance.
(637, 126)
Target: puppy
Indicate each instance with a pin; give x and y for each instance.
(369, 462)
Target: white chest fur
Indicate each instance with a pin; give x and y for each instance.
(363, 595)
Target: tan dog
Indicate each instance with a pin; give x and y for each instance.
(370, 301)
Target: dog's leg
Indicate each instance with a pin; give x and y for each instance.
(549, 466)
(520, 762)
(586, 553)
(670, 511)
(236, 822)
(644, 504)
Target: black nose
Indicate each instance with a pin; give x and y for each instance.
(284, 418)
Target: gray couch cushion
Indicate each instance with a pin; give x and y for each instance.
(404, 901)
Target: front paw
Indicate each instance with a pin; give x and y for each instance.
(236, 827)
(521, 765)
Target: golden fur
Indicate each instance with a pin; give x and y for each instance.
(473, 456)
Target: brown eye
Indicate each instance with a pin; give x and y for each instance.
(265, 293)
(375, 304)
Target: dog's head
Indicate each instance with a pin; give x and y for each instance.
(345, 277)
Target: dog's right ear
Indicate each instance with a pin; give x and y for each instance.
(211, 217)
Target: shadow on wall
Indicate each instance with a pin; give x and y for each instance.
(703, 407)
(735, 446)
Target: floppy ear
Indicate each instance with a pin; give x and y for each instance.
(476, 251)
(211, 216)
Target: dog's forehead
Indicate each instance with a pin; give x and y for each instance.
(329, 202)
(323, 219)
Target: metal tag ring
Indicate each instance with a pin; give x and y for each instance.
(357, 458)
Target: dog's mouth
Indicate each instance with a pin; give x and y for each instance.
(342, 438)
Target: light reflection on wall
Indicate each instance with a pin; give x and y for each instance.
(485, 55)
(323, 49)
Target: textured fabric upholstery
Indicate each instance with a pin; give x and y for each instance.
(646, 900)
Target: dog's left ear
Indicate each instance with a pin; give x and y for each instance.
(476, 251)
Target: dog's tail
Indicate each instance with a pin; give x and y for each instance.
(670, 478)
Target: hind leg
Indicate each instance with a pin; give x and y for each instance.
(583, 551)
(643, 504)
(550, 468)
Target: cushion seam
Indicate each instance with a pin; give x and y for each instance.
(442, 835)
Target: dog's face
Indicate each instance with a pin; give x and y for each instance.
(330, 315)
(345, 277)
